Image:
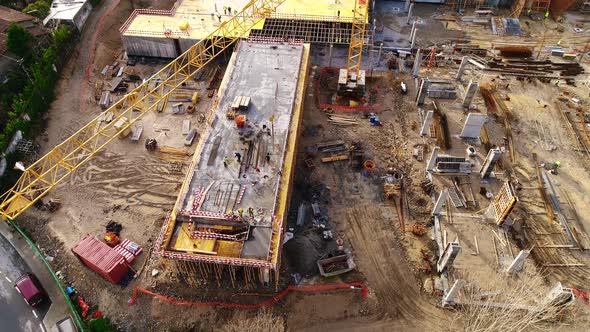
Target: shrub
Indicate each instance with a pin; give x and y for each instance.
(19, 40)
(39, 9)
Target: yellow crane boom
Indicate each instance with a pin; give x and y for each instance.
(357, 37)
(351, 80)
(51, 169)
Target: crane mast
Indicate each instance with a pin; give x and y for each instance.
(351, 80)
(51, 169)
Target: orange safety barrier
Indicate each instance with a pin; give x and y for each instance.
(583, 296)
(266, 303)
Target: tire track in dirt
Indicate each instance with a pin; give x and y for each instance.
(141, 181)
(387, 273)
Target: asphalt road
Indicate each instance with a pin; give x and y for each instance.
(15, 313)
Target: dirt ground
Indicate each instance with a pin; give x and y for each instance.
(137, 189)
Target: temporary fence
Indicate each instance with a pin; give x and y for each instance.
(263, 304)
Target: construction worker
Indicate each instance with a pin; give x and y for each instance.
(229, 10)
(219, 17)
(225, 161)
(224, 10)
(238, 156)
(547, 14)
(241, 213)
(251, 212)
(529, 12)
(231, 214)
(268, 157)
(557, 83)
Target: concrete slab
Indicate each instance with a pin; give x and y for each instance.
(269, 75)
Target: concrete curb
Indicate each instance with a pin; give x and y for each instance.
(59, 308)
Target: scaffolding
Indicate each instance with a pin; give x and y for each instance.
(459, 5)
(311, 31)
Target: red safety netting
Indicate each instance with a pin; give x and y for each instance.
(332, 70)
(266, 303)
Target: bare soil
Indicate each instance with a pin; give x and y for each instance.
(127, 184)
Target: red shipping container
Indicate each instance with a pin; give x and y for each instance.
(101, 258)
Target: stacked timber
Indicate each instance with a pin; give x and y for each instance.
(342, 120)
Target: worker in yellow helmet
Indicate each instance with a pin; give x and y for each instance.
(547, 14)
(241, 213)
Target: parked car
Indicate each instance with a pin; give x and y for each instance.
(30, 288)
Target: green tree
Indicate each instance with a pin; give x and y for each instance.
(38, 9)
(60, 36)
(19, 40)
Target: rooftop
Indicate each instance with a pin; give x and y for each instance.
(202, 223)
(13, 16)
(202, 16)
(64, 9)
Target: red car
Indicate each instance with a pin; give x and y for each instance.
(30, 288)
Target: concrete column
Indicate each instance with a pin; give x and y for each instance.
(449, 298)
(412, 31)
(432, 161)
(426, 123)
(370, 59)
(442, 198)
(471, 90)
(518, 262)
(413, 40)
(410, 10)
(422, 91)
(448, 256)
(489, 163)
(473, 124)
(417, 60)
(462, 66)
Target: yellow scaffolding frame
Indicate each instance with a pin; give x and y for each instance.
(51, 169)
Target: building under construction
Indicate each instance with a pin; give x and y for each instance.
(169, 33)
(228, 220)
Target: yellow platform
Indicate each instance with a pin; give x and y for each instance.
(196, 19)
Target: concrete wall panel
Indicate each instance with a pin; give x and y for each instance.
(149, 46)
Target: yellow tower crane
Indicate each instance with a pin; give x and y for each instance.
(51, 169)
(351, 80)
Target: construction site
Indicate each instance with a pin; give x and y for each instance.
(320, 165)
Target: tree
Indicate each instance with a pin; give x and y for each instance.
(19, 40)
(39, 9)
(60, 36)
